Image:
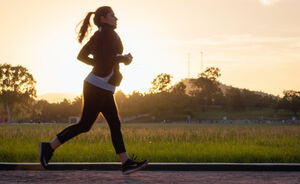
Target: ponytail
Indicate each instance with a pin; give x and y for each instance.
(85, 28)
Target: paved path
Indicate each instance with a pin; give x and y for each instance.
(203, 177)
(116, 166)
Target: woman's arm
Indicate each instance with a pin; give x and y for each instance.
(84, 54)
(122, 59)
(111, 42)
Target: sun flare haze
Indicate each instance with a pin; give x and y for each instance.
(255, 43)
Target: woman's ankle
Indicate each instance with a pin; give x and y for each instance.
(123, 157)
(55, 143)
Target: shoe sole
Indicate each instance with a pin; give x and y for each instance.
(42, 161)
(136, 169)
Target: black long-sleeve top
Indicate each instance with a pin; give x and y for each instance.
(104, 46)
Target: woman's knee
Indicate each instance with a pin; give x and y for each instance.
(84, 127)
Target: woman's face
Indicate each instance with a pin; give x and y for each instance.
(110, 19)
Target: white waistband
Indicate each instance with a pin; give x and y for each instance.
(100, 82)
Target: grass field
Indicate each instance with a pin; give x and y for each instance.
(252, 143)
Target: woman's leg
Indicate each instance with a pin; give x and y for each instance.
(55, 143)
(123, 157)
(110, 113)
(89, 114)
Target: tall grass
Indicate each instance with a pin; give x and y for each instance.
(159, 143)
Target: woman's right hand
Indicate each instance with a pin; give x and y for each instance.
(128, 59)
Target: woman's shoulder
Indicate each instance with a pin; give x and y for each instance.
(109, 32)
(95, 36)
(109, 35)
(103, 34)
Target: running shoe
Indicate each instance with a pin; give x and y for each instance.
(46, 153)
(131, 165)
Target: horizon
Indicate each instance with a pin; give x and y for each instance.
(255, 43)
(56, 97)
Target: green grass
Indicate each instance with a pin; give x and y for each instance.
(159, 143)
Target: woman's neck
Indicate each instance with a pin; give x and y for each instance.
(103, 25)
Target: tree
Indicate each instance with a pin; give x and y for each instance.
(207, 90)
(234, 99)
(77, 105)
(161, 83)
(135, 104)
(40, 110)
(120, 97)
(290, 101)
(17, 85)
(179, 88)
(210, 73)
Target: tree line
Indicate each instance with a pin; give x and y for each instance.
(188, 97)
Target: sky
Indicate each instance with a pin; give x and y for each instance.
(255, 43)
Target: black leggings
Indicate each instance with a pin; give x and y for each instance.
(96, 100)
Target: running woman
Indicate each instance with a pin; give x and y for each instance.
(106, 49)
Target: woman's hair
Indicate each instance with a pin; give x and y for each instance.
(86, 26)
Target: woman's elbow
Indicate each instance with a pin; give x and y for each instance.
(80, 57)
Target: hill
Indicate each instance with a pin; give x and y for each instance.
(57, 97)
(225, 88)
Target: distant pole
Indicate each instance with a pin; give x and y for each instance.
(189, 64)
(201, 69)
